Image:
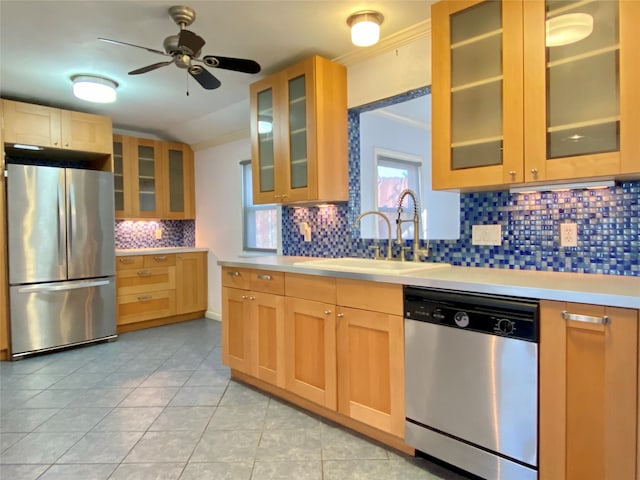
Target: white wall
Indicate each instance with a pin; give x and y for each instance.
(219, 209)
(218, 173)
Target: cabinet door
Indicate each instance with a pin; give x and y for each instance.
(86, 132)
(477, 93)
(588, 392)
(371, 368)
(238, 334)
(147, 191)
(310, 350)
(31, 124)
(191, 282)
(145, 306)
(178, 180)
(268, 311)
(124, 176)
(297, 175)
(581, 103)
(265, 143)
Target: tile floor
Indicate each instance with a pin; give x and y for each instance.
(158, 404)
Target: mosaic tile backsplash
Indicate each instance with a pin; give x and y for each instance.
(142, 233)
(607, 222)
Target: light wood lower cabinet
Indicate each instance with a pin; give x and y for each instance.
(253, 323)
(340, 347)
(588, 392)
(159, 289)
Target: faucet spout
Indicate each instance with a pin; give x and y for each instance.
(374, 212)
(417, 251)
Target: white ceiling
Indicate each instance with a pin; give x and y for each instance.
(44, 43)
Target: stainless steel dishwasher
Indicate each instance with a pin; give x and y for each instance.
(471, 367)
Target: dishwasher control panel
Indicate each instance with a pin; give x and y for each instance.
(497, 315)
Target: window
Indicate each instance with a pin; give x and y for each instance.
(260, 222)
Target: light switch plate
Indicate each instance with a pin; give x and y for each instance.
(486, 234)
(158, 233)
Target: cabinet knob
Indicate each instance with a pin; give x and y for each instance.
(327, 312)
(284, 195)
(340, 315)
(244, 297)
(252, 298)
(234, 274)
(512, 174)
(534, 172)
(277, 196)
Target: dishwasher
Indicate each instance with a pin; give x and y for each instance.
(471, 375)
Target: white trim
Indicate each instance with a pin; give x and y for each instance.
(213, 315)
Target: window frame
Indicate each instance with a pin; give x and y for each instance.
(247, 206)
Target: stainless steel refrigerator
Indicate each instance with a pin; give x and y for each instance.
(61, 257)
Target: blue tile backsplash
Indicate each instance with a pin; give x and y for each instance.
(142, 233)
(607, 222)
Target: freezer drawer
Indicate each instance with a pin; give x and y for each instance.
(51, 315)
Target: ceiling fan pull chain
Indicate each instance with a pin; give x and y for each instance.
(187, 82)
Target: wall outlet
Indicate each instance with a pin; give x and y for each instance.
(568, 235)
(486, 234)
(158, 233)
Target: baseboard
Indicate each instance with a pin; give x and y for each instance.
(159, 322)
(213, 315)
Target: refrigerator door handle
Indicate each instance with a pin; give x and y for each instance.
(58, 287)
(72, 217)
(60, 220)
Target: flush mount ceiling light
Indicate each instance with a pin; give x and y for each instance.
(568, 28)
(94, 89)
(365, 27)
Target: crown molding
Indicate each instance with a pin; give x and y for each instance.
(396, 40)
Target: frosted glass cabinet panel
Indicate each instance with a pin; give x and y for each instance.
(118, 176)
(177, 178)
(298, 133)
(147, 179)
(265, 142)
(512, 104)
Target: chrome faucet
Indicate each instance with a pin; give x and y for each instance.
(417, 251)
(374, 212)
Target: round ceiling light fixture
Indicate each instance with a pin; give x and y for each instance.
(568, 28)
(94, 89)
(365, 27)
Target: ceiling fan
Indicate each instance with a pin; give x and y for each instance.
(184, 49)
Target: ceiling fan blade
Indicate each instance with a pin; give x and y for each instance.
(190, 41)
(117, 42)
(230, 63)
(203, 77)
(148, 68)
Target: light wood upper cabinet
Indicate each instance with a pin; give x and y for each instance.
(42, 126)
(508, 109)
(299, 134)
(153, 179)
(588, 392)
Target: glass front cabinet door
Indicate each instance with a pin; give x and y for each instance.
(178, 181)
(147, 187)
(533, 91)
(299, 134)
(122, 176)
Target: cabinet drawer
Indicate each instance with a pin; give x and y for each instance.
(160, 260)
(236, 277)
(309, 287)
(129, 261)
(374, 296)
(267, 281)
(143, 280)
(145, 306)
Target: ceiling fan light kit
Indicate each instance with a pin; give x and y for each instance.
(365, 27)
(184, 49)
(95, 89)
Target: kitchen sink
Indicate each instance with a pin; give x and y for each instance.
(367, 265)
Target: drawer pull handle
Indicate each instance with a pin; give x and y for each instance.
(142, 298)
(127, 261)
(340, 315)
(234, 274)
(327, 312)
(245, 297)
(604, 320)
(160, 258)
(264, 277)
(144, 273)
(252, 298)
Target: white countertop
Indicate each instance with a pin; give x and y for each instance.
(150, 251)
(609, 290)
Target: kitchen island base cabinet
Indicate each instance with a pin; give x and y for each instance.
(588, 392)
